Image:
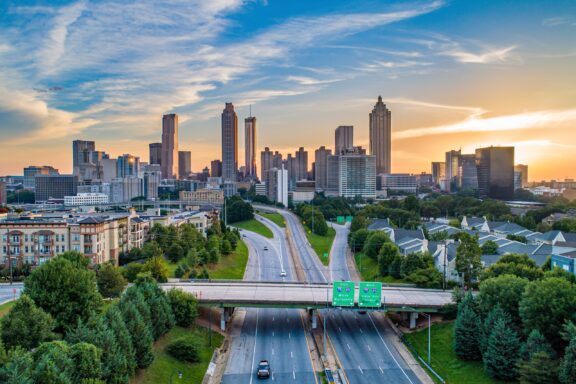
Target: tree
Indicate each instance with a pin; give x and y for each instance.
(115, 323)
(540, 369)
(131, 271)
(238, 210)
(17, 368)
(152, 249)
(411, 263)
(490, 248)
(76, 258)
(358, 222)
(536, 342)
(488, 324)
(467, 330)
(358, 239)
(394, 267)
(175, 253)
(503, 351)
(546, 305)
(374, 242)
(110, 281)
(411, 203)
(86, 361)
(140, 332)
(64, 290)
(26, 325)
(52, 363)
(426, 278)
(567, 371)
(226, 247)
(505, 291)
(514, 264)
(468, 257)
(162, 318)
(388, 253)
(184, 306)
(518, 238)
(158, 268)
(184, 349)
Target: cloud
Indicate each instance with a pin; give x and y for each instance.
(303, 80)
(521, 121)
(498, 55)
(472, 111)
(558, 21)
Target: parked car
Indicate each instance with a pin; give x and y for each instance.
(265, 248)
(263, 369)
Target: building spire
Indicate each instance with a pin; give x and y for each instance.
(379, 98)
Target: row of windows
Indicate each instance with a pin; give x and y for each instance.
(27, 249)
(41, 238)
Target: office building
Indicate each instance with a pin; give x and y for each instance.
(332, 175)
(300, 166)
(169, 161)
(517, 179)
(452, 169)
(127, 165)
(495, 167)
(277, 185)
(155, 153)
(260, 189)
(266, 161)
(216, 168)
(438, 172)
(399, 182)
(80, 149)
(425, 180)
(357, 175)
(467, 174)
(344, 138)
(250, 148)
(87, 161)
(109, 170)
(123, 190)
(184, 164)
(55, 186)
(32, 171)
(151, 180)
(381, 136)
(203, 196)
(523, 171)
(229, 143)
(83, 199)
(321, 166)
(3, 196)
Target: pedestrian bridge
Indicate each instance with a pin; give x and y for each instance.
(226, 294)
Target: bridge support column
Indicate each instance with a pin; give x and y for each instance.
(413, 318)
(314, 314)
(223, 319)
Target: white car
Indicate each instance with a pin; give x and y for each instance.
(283, 274)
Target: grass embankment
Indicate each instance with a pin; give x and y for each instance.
(444, 360)
(6, 307)
(231, 266)
(255, 226)
(165, 365)
(321, 244)
(368, 269)
(276, 218)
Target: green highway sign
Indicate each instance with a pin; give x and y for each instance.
(340, 219)
(370, 295)
(343, 294)
(348, 219)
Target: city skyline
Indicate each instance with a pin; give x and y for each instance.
(450, 82)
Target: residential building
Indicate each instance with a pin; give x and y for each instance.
(184, 164)
(522, 169)
(399, 182)
(250, 148)
(31, 171)
(438, 172)
(55, 186)
(85, 199)
(211, 196)
(169, 161)
(3, 196)
(155, 150)
(321, 166)
(216, 168)
(127, 165)
(344, 138)
(495, 167)
(277, 185)
(381, 137)
(357, 175)
(229, 143)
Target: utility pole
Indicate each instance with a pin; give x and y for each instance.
(324, 318)
(8, 256)
(445, 257)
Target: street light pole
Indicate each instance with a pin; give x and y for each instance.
(324, 320)
(175, 372)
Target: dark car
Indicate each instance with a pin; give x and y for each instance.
(263, 369)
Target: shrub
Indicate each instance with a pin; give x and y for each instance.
(184, 349)
(184, 306)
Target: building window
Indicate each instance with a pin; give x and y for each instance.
(63, 248)
(57, 248)
(26, 237)
(26, 249)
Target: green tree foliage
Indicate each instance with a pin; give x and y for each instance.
(358, 222)
(536, 342)
(502, 352)
(140, 332)
(488, 324)
(151, 248)
(131, 271)
(76, 258)
(162, 318)
(429, 210)
(567, 371)
(540, 369)
(428, 277)
(374, 242)
(493, 209)
(411, 203)
(86, 360)
(313, 218)
(518, 238)
(357, 239)
(467, 331)
(175, 253)
(514, 264)
(110, 281)
(238, 210)
(394, 267)
(559, 272)
(115, 323)
(52, 363)
(505, 291)
(566, 225)
(184, 306)
(388, 253)
(66, 291)
(468, 257)
(226, 247)
(546, 305)
(184, 349)
(26, 325)
(158, 268)
(17, 368)
(413, 262)
(490, 248)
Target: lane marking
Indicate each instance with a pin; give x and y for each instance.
(370, 349)
(348, 345)
(254, 352)
(381, 370)
(291, 355)
(361, 371)
(307, 346)
(339, 329)
(294, 375)
(272, 351)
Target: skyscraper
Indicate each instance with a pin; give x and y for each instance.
(87, 161)
(452, 168)
(229, 143)
(357, 175)
(438, 172)
(169, 160)
(216, 168)
(344, 138)
(467, 173)
(250, 147)
(301, 166)
(184, 164)
(266, 161)
(495, 167)
(380, 137)
(127, 165)
(32, 171)
(321, 167)
(523, 170)
(79, 149)
(155, 153)
(55, 186)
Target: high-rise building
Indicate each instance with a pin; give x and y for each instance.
(467, 173)
(87, 161)
(357, 175)
(344, 139)
(321, 167)
(452, 167)
(184, 164)
(332, 175)
(250, 147)
(277, 185)
(127, 165)
(216, 168)
(3, 196)
(169, 161)
(381, 137)
(229, 143)
(109, 170)
(523, 170)
(32, 171)
(151, 182)
(495, 167)
(438, 172)
(155, 153)
(55, 186)
(399, 182)
(266, 161)
(301, 165)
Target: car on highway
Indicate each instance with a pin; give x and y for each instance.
(265, 248)
(263, 369)
(283, 274)
(362, 312)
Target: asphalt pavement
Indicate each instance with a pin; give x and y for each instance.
(9, 292)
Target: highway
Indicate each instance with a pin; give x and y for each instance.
(8, 292)
(276, 335)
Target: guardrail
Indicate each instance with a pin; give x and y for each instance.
(415, 352)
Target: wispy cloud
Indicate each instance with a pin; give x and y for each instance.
(498, 55)
(558, 21)
(472, 111)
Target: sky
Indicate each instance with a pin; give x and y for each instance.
(455, 74)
